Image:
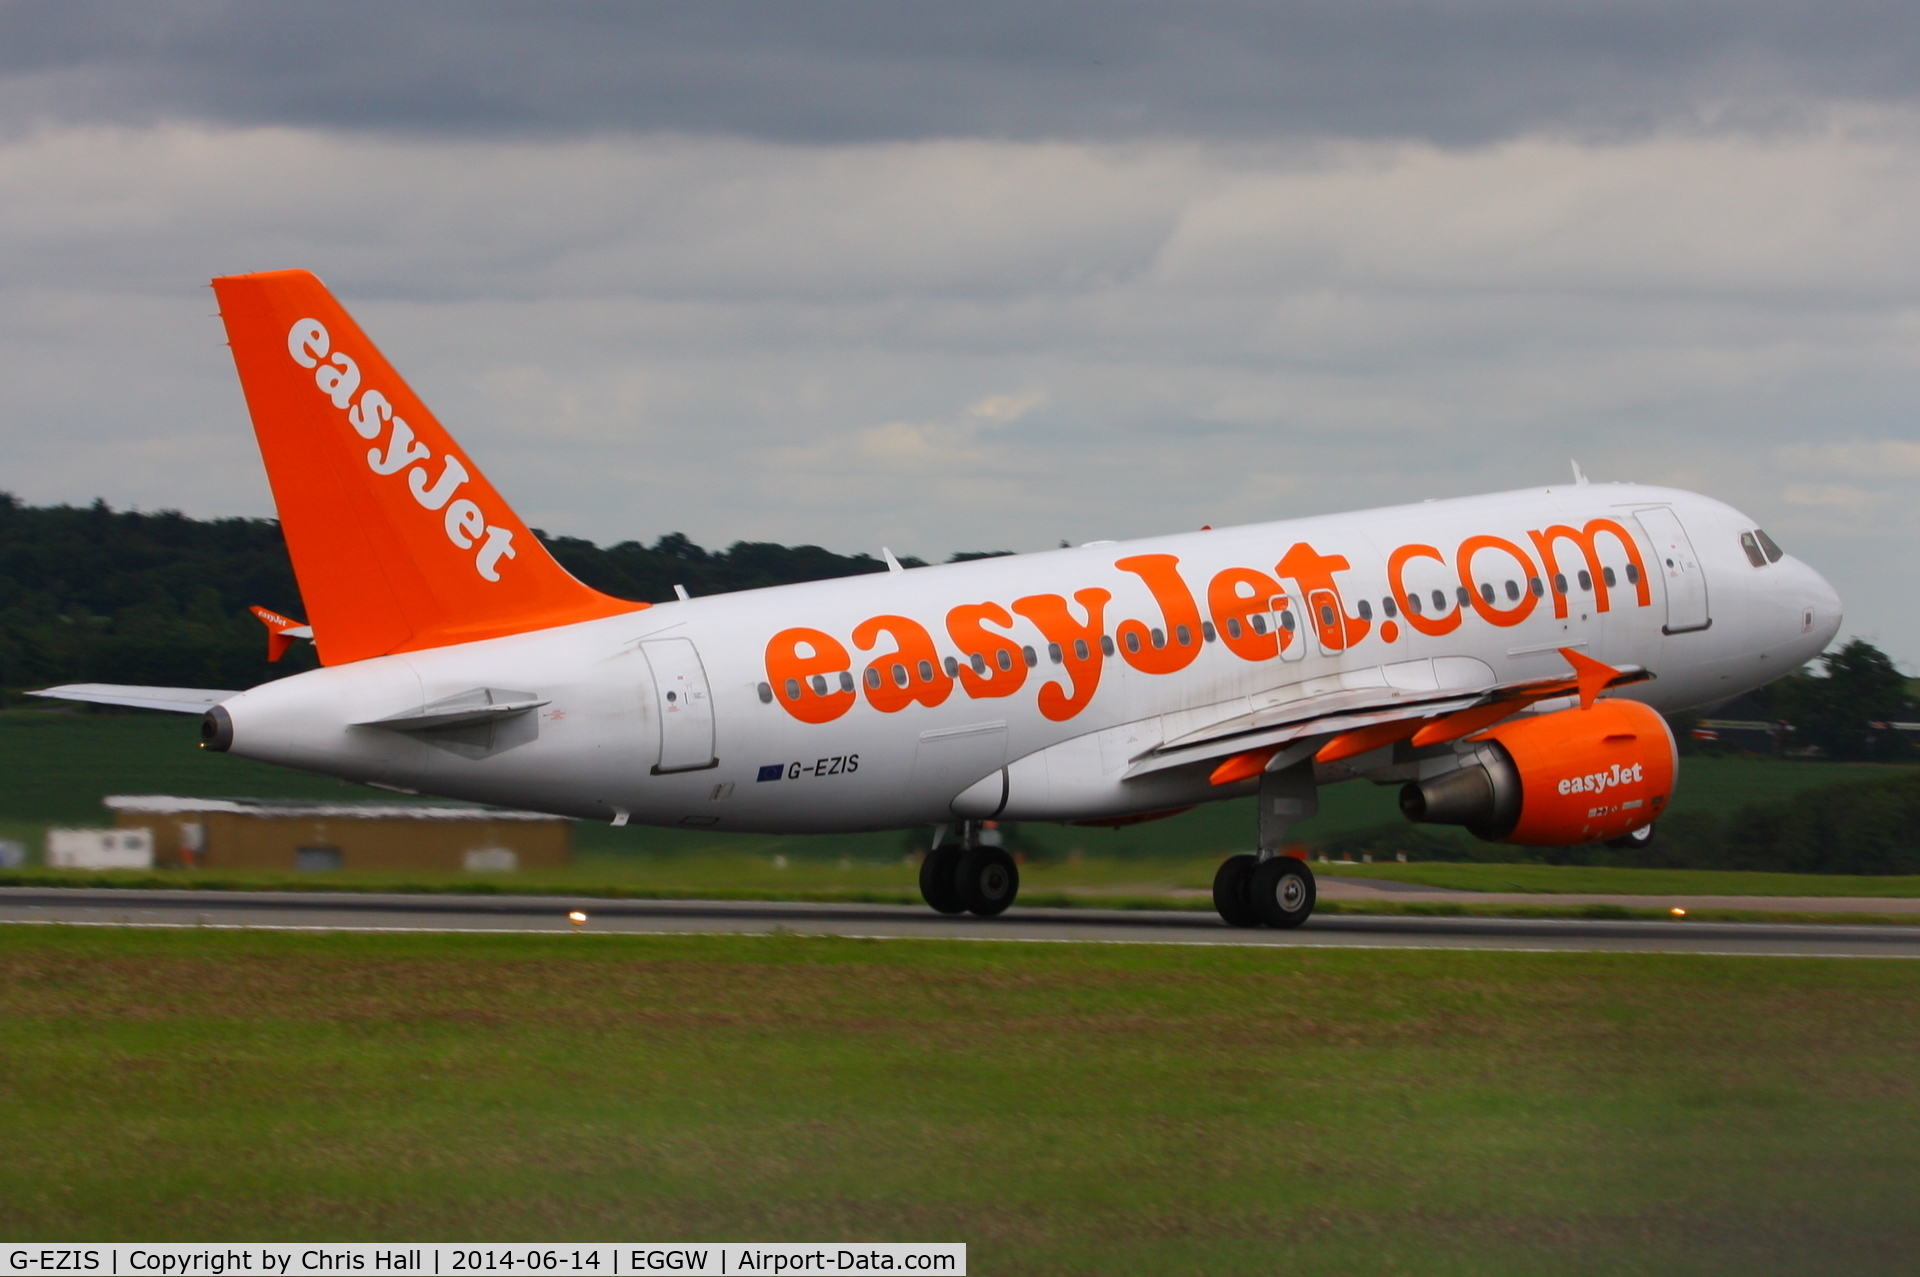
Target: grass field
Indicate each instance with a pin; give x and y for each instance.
(1116, 1109)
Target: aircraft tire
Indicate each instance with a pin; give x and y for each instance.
(939, 880)
(988, 880)
(1230, 896)
(1282, 892)
(1639, 838)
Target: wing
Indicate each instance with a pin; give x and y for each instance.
(1341, 717)
(180, 700)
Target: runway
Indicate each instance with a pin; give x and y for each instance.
(352, 911)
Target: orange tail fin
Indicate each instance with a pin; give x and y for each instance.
(398, 541)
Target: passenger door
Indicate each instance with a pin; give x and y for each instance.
(1679, 567)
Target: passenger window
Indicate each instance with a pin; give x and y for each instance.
(1774, 552)
(953, 667)
(1539, 589)
(793, 690)
(1259, 620)
(1206, 631)
(1586, 580)
(1106, 644)
(1055, 655)
(1003, 659)
(1287, 622)
(1233, 627)
(899, 676)
(1440, 602)
(1080, 652)
(1413, 605)
(1387, 606)
(1633, 575)
(1486, 591)
(1606, 574)
(1158, 639)
(1366, 610)
(1183, 636)
(926, 671)
(1326, 615)
(873, 677)
(1755, 555)
(1559, 582)
(978, 662)
(1513, 590)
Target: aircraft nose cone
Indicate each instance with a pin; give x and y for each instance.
(1823, 610)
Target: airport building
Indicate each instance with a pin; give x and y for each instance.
(303, 836)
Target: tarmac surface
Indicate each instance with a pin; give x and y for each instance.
(1338, 887)
(353, 911)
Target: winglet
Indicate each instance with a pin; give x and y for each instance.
(398, 541)
(1591, 675)
(281, 631)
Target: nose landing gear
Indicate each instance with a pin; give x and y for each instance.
(970, 877)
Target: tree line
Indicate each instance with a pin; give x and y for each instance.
(90, 594)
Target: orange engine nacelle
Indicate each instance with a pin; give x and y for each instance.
(1556, 780)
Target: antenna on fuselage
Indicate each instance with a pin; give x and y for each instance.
(1579, 475)
(893, 564)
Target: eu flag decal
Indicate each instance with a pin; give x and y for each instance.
(772, 771)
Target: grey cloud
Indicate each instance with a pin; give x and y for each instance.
(1214, 69)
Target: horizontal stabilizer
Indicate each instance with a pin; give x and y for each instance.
(180, 700)
(481, 705)
(281, 631)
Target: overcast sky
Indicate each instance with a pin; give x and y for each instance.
(982, 276)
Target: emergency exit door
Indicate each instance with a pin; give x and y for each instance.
(684, 703)
(1676, 564)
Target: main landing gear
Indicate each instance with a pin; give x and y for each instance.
(1276, 892)
(970, 876)
(1271, 889)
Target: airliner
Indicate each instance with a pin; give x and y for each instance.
(1504, 659)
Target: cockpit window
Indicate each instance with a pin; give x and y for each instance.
(1774, 552)
(1755, 555)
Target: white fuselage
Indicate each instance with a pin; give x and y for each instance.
(733, 749)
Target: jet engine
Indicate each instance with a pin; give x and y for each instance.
(1556, 780)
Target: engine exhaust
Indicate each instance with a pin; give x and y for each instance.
(1483, 795)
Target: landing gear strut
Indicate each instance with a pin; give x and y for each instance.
(1272, 889)
(970, 877)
